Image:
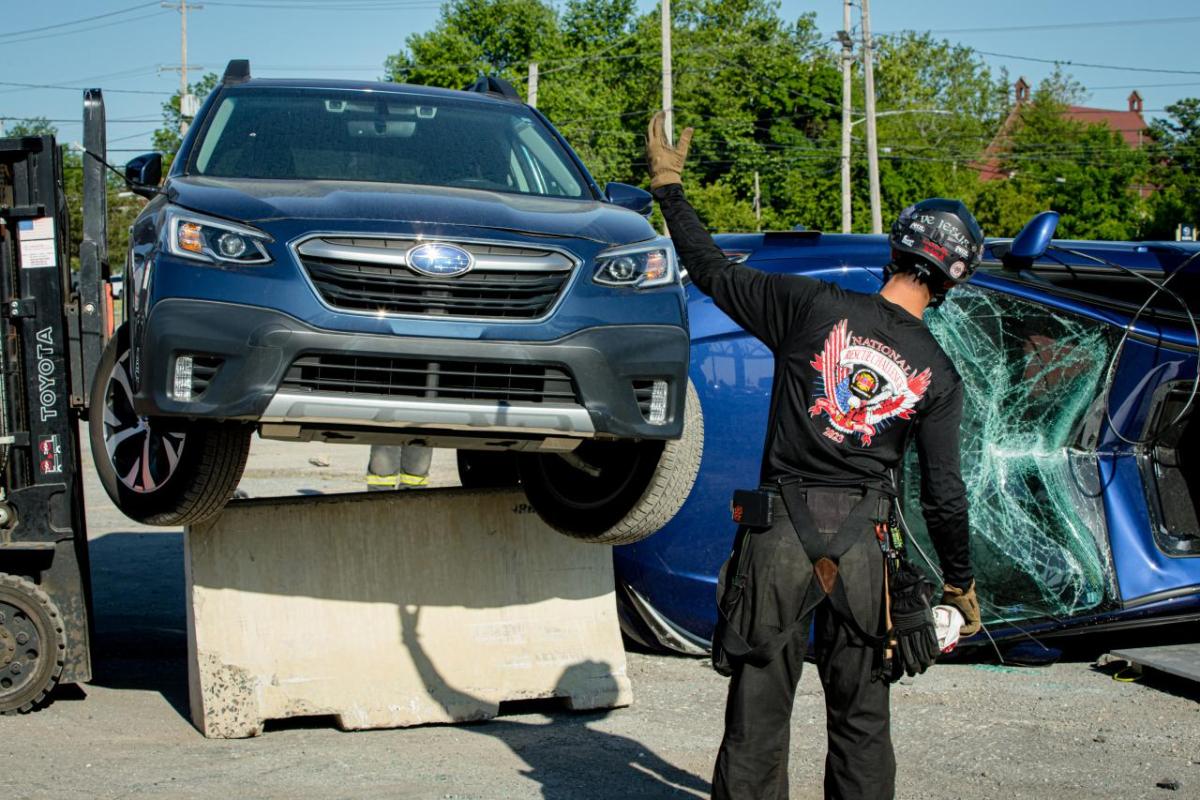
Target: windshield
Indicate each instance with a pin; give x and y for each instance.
(318, 134)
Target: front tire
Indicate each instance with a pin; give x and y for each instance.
(159, 470)
(616, 492)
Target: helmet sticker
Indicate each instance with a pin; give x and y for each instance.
(935, 250)
(907, 241)
(957, 270)
(918, 227)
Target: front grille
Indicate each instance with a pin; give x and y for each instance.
(428, 379)
(371, 275)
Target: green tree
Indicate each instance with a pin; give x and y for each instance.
(32, 126)
(1175, 154)
(939, 106)
(167, 139)
(757, 88)
(474, 37)
(764, 94)
(122, 206)
(1086, 172)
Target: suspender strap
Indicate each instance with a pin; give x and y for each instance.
(823, 551)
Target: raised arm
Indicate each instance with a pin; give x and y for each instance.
(765, 304)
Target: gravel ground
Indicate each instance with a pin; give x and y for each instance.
(961, 731)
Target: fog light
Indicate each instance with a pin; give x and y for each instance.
(658, 404)
(183, 378)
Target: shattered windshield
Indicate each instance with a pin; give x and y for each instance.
(1031, 376)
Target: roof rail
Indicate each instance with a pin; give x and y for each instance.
(497, 87)
(238, 71)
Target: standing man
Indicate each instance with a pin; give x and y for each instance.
(394, 466)
(856, 377)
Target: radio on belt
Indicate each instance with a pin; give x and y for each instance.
(752, 508)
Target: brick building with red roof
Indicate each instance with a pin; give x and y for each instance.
(1129, 123)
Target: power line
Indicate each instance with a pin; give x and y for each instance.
(83, 30)
(92, 80)
(77, 21)
(133, 135)
(74, 121)
(1143, 86)
(77, 88)
(1123, 23)
(392, 5)
(1069, 63)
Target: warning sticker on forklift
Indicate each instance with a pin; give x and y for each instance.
(50, 452)
(36, 238)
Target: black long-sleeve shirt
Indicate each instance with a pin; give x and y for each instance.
(855, 376)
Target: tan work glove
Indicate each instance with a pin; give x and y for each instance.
(967, 603)
(666, 162)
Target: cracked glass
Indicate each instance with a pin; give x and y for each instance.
(1032, 377)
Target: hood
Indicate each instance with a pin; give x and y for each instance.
(261, 201)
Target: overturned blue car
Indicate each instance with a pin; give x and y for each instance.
(1079, 439)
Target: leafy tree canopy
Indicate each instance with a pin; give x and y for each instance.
(764, 93)
(122, 206)
(1175, 154)
(167, 139)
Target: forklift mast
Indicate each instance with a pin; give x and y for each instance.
(53, 331)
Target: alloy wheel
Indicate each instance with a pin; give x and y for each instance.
(143, 453)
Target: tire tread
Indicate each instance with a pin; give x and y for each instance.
(226, 449)
(35, 593)
(668, 488)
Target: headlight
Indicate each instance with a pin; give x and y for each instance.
(214, 241)
(641, 266)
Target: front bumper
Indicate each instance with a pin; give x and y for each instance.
(257, 346)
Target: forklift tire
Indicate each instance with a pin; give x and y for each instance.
(616, 492)
(33, 645)
(159, 470)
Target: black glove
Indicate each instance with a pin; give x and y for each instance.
(913, 631)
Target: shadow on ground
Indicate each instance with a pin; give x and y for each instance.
(566, 757)
(139, 620)
(141, 645)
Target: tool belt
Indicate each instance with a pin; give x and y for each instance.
(799, 545)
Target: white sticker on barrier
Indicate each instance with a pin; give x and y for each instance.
(36, 238)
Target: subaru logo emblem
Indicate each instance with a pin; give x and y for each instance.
(440, 260)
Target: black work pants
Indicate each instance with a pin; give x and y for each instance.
(752, 762)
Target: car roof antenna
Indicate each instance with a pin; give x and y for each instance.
(238, 71)
(497, 87)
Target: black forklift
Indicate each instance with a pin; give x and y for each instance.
(55, 324)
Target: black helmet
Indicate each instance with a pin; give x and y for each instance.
(943, 236)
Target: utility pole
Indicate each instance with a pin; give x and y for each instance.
(847, 98)
(182, 7)
(667, 88)
(872, 140)
(533, 78)
(757, 201)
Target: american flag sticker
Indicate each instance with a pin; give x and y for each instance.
(36, 241)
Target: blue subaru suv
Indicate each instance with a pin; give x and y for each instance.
(380, 263)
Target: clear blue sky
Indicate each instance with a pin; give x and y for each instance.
(351, 38)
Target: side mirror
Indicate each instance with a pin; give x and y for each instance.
(1031, 243)
(144, 173)
(631, 197)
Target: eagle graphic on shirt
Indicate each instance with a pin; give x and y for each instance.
(864, 384)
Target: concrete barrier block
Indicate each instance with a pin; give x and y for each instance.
(394, 609)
